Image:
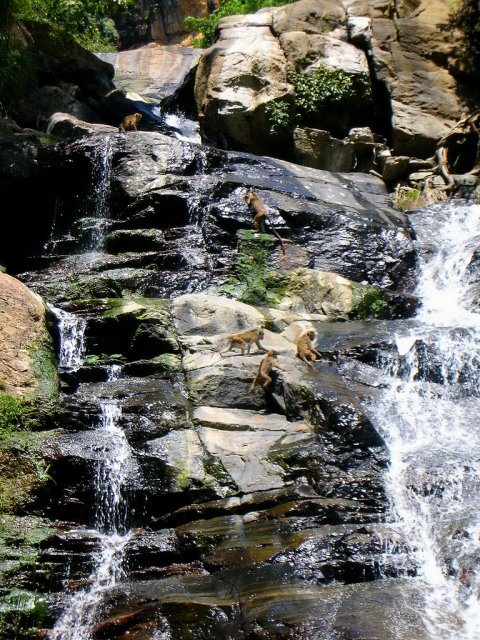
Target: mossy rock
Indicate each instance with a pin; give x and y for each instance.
(367, 302)
(24, 474)
(136, 240)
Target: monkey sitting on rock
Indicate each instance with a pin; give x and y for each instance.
(245, 339)
(263, 373)
(261, 217)
(129, 123)
(305, 349)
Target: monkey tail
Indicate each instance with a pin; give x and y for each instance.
(280, 238)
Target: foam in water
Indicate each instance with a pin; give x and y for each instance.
(110, 520)
(72, 331)
(429, 419)
(183, 128)
(102, 174)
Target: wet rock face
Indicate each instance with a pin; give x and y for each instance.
(238, 503)
(175, 212)
(233, 496)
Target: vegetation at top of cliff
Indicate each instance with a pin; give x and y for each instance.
(86, 21)
(206, 27)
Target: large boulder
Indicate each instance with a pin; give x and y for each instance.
(414, 53)
(243, 71)
(27, 365)
(418, 71)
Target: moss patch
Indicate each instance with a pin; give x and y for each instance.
(367, 303)
(23, 471)
(44, 370)
(252, 282)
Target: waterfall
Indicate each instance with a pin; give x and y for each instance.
(111, 509)
(72, 331)
(428, 416)
(101, 176)
(110, 521)
(183, 128)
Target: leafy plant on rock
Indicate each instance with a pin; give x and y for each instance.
(327, 87)
(280, 116)
(206, 27)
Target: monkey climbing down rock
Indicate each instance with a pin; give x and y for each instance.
(261, 217)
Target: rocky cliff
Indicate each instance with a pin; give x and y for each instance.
(232, 514)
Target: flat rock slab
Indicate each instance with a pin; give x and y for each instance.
(151, 71)
(243, 440)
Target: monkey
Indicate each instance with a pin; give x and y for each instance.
(129, 123)
(305, 348)
(245, 339)
(261, 217)
(263, 373)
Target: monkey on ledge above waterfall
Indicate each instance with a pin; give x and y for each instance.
(261, 217)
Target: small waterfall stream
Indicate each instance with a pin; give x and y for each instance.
(428, 416)
(110, 522)
(102, 173)
(72, 331)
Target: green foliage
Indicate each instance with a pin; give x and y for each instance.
(252, 283)
(368, 304)
(280, 116)
(11, 413)
(327, 87)
(206, 27)
(465, 15)
(15, 73)
(18, 414)
(87, 21)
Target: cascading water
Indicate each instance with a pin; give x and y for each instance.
(102, 173)
(72, 331)
(110, 518)
(428, 416)
(110, 522)
(183, 128)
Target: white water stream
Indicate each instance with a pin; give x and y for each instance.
(429, 416)
(110, 523)
(72, 331)
(110, 505)
(102, 174)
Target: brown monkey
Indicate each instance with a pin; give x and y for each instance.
(129, 123)
(245, 339)
(263, 373)
(261, 216)
(305, 348)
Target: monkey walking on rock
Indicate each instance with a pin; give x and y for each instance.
(261, 217)
(245, 339)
